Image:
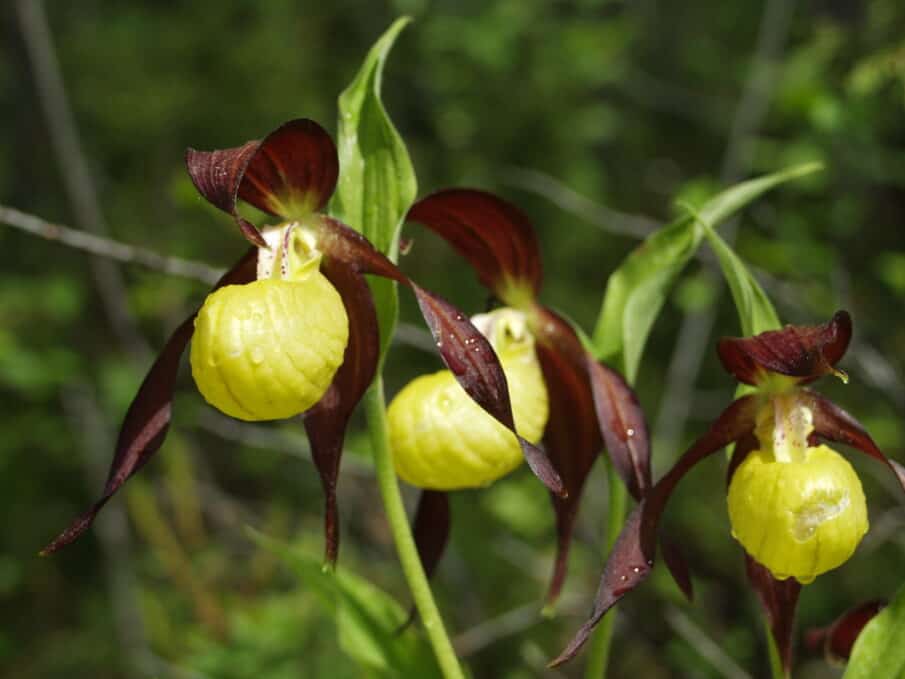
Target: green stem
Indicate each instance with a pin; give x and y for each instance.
(777, 671)
(375, 409)
(599, 653)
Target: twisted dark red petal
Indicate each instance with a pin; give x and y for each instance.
(494, 236)
(289, 174)
(833, 423)
(633, 554)
(800, 351)
(466, 352)
(779, 599)
(217, 176)
(148, 418)
(571, 438)
(623, 426)
(326, 421)
(837, 640)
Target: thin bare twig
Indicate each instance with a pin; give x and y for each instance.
(694, 334)
(605, 218)
(112, 531)
(703, 645)
(510, 623)
(67, 148)
(109, 248)
(274, 438)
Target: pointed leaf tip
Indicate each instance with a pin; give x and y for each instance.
(803, 352)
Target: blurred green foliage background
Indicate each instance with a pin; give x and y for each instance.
(594, 117)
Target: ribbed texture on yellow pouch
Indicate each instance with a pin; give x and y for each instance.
(268, 350)
(443, 440)
(800, 518)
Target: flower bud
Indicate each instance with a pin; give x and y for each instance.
(799, 518)
(443, 440)
(268, 350)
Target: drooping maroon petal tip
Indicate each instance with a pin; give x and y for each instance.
(805, 352)
(494, 236)
(147, 421)
(835, 424)
(837, 640)
(632, 557)
(326, 421)
(289, 174)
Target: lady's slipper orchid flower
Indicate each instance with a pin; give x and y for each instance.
(796, 506)
(292, 329)
(589, 404)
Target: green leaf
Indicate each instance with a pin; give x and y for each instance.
(636, 291)
(880, 648)
(377, 183)
(728, 202)
(755, 311)
(367, 618)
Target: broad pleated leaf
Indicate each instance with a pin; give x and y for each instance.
(494, 236)
(779, 598)
(837, 640)
(636, 291)
(799, 351)
(377, 182)
(148, 418)
(326, 422)
(879, 650)
(632, 557)
(289, 174)
(833, 423)
(465, 351)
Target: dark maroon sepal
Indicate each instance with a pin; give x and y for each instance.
(431, 528)
(571, 437)
(632, 557)
(833, 423)
(837, 640)
(494, 236)
(677, 565)
(805, 352)
(623, 427)
(326, 421)
(465, 351)
(148, 418)
(289, 174)
(779, 599)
